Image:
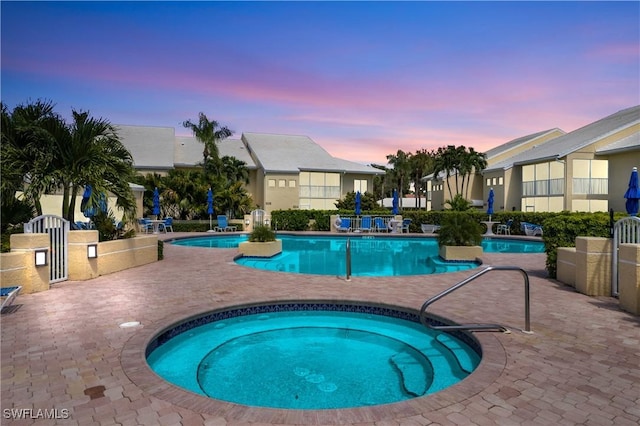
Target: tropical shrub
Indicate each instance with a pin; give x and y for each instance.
(262, 234)
(459, 229)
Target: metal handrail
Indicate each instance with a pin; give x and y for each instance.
(527, 327)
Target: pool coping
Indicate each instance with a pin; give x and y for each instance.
(134, 365)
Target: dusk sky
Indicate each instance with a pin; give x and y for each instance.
(362, 79)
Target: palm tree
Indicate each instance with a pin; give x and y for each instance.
(234, 170)
(91, 153)
(401, 170)
(477, 162)
(421, 163)
(27, 152)
(234, 200)
(445, 161)
(209, 132)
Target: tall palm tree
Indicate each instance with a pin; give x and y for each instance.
(446, 162)
(209, 132)
(401, 170)
(421, 164)
(473, 162)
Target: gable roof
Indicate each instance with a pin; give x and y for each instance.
(295, 153)
(150, 147)
(188, 151)
(515, 143)
(573, 141)
(630, 143)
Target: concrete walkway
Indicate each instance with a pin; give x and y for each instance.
(65, 355)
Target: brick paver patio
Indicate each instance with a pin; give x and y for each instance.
(65, 355)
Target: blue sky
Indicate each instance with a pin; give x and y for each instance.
(362, 79)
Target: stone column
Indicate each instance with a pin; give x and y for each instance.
(80, 266)
(593, 266)
(629, 277)
(36, 278)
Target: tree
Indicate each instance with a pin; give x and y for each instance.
(234, 170)
(209, 132)
(91, 153)
(401, 171)
(27, 152)
(445, 162)
(421, 163)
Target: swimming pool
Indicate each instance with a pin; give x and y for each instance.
(312, 356)
(370, 255)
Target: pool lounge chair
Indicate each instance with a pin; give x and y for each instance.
(428, 228)
(379, 225)
(345, 225)
(8, 295)
(223, 225)
(531, 229)
(365, 224)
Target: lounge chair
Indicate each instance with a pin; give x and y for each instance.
(344, 225)
(8, 295)
(379, 225)
(428, 228)
(223, 225)
(365, 224)
(405, 225)
(531, 229)
(505, 228)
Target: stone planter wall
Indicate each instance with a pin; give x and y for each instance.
(460, 252)
(258, 249)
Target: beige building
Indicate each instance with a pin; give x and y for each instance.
(285, 171)
(585, 170)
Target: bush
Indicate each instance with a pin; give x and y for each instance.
(459, 229)
(561, 231)
(262, 234)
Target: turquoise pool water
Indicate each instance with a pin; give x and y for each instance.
(313, 359)
(370, 255)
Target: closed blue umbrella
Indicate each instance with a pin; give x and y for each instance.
(156, 202)
(490, 204)
(633, 194)
(84, 204)
(210, 207)
(358, 201)
(396, 203)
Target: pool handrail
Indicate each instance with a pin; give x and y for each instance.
(498, 327)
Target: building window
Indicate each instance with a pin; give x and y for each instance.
(319, 190)
(271, 183)
(360, 185)
(500, 181)
(282, 183)
(590, 177)
(543, 179)
(488, 181)
(292, 184)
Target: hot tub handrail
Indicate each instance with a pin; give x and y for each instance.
(527, 327)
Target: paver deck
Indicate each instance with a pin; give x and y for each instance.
(65, 355)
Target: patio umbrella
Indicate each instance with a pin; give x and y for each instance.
(395, 209)
(84, 204)
(210, 207)
(358, 201)
(156, 202)
(490, 204)
(633, 194)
